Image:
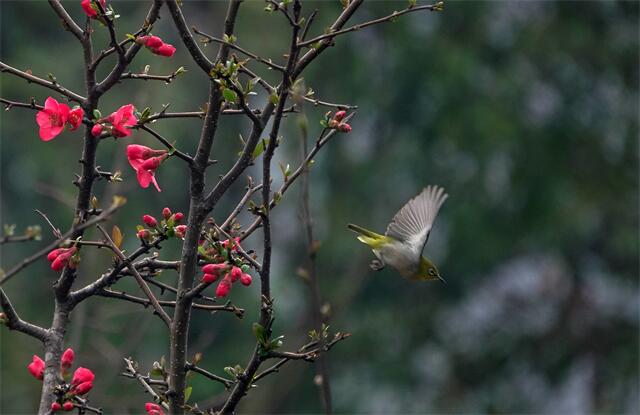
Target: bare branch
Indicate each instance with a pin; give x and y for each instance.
(53, 85)
(187, 38)
(144, 382)
(143, 285)
(226, 382)
(167, 144)
(67, 21)
(14, 322)
(236, 211)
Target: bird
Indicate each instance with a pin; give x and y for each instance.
(406, 236)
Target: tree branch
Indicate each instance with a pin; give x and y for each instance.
(53, 85)
(14, 322)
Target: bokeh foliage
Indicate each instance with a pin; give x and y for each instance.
(526, 112)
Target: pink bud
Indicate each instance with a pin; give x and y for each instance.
(67, 359)
(165, 50)
(36, 367)
(143, 234)
(209, 278)
(333, 123)
(339, 115)
(67, 406)
(178, 217)
(181, 231)
(54, 254)
(153, 42)
(166, 213)
(223, 287)
(59, 263)
(344, 128)
(214, 268)
(236, 273)
(153, 409)
(96, 130)
(82, 375)
(83, 388)
(150, 221)
(245, 279)
(55, 407)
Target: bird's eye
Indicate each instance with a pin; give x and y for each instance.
(432, 271)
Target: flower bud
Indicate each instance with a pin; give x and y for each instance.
(54, 254)
(153, 42)
(153, 409)
(96, 130)
(143, 234)
(67, 359)
(245, 279)
(150, 221)
(178, 217)
(59, 263)
(236, 273)
(214, 268)
(333, 123)
(67, 406)
(223, 287)
(344, 128)
(166, 213)
(83, 388)
(339, 115)
(55, 407)
(165, 50)
(181, 231)
(36, 367)
(209, 278)
(82, 375)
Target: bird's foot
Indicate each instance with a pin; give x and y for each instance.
(376, 265)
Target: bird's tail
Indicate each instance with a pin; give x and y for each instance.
(368, 237)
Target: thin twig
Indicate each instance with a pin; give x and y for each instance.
(14, 322)
(54, 85)
(143, 381)
(226, 382)
(143, 285)
(236, 211)
(167, 144)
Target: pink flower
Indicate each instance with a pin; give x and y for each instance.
(236, 242)
(67, 359)
(61, 257)
(223, 287)
(121, 119)
(83, 388)
(140, 158)
(181, 231)
(344, 128)
(166, 212)
(52, 119)
(153, 409)
(55, 407)
(36, 367)
(96, 130)
(235, 273)
(91, 10)
(150, 221)
(75, 118)
(178, 217)
(67, 406)
(245, 279)
(151, 41)
(166, 50)
(82, 375)
(339, 115)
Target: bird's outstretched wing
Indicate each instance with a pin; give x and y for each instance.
(413, 222)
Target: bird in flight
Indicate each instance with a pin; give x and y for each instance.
(406, 236)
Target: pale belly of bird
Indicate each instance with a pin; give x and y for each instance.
(397, 255)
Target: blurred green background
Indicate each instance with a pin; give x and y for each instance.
(525, 111)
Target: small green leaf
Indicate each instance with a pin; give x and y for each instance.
(260, 147)
(97, 114)
(274, 99)
(187, 393)
(260, 333)
(230, 95)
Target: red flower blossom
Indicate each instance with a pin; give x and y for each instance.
(67, 406)
(236, 242)
(67, 359)
(83, 388)
(166, 50)
(61, 257)
(75, 118)
(223, 287)
(36, 367)
(245, 279)
(140, 158)
(235, 273)
(166, 212)
(178, 217)
(151, 41)
(181, 231)
(121, 119)
(339, 115)
(91, 10)
(153, 409)
(55, 407)
(52, 119)
(96, 130)
(150, 221)
(82, 375)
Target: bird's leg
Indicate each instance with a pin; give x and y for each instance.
(376, 265)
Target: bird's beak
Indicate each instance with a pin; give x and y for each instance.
(442, 279)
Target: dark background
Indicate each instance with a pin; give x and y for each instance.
(525, 111)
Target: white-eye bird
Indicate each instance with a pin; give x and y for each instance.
(402, 244)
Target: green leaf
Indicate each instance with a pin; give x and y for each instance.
(130, 36)
(187, 393)
(260, 147)
(260, 333)
(274, 99)
(97, 114)
(230, 95)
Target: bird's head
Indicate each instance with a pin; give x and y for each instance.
(428, 271)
